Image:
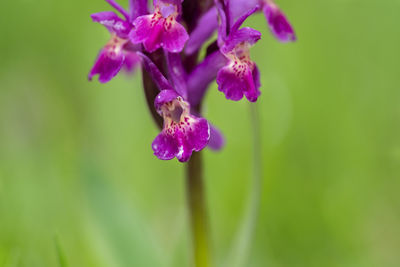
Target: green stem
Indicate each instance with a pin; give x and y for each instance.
(197, 211)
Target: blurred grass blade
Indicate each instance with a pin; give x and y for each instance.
(127, 235)
(242, 243)
(62, 260)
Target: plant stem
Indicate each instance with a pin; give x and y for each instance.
(197, 211)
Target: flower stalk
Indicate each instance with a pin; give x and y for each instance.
(198, 217)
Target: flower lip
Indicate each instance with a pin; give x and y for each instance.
(183, 132)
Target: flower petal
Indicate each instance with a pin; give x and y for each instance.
(204, 73)
(244, 35)
(223, 23)
(278, 23)
(243, 18)
(137, 8)
(113, 23)
(206, 26)
(155, 74)
(177, 73)
(234, 86)
(230, 84)
(164, 97)
(181, 142)
(147, 32)
(107, 65)
(174, 37)
(165, 146)
(154, 32)
(132, 60)
(194, 139)
(217, 140)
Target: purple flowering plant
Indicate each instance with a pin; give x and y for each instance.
(165, 38)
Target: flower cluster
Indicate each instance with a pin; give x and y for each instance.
(165, 38)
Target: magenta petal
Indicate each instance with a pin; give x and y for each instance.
(154, 38)
(181, 143)
(199, 80)
(278, 23)
(223, 23)
(234, 86)
(146, 33)
(177, 73)
(200, 134)
(217, 140)
(243, 18)
(170, 35)
(256, 77)
(107, 65)
(155, 74)
(174, 38)
(240, 7)
(230, 84)
(252, 84)
(247, 35)
(165, 146)
(164, 97)
(132, 60)
(137, 8)
(205, 28)
(113, 23)
(194, 139)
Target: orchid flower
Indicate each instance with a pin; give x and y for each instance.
(161, 29)
(119, 52)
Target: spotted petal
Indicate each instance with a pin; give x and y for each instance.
(154, 32)
(235, 84)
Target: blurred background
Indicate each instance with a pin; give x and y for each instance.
(79, 183)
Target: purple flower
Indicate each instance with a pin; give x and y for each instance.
(118, 52)
(182, 132)
(278, 23)
(160, 29)
(240, 76)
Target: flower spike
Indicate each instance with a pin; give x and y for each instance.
(160, 29)
(182, 71)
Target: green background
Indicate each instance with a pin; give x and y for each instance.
(79, 184)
